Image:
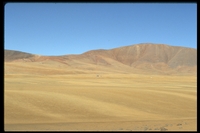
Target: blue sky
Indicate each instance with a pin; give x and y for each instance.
(74, 28)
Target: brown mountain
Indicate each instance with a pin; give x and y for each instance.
(159, 58)
(11, 55)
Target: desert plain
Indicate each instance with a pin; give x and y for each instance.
(98, 101)
(144, 87)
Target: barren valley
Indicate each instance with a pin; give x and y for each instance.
(102, 91)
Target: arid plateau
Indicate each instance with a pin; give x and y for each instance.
(144, 87)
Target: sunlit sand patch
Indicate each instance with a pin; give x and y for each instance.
(113, 102)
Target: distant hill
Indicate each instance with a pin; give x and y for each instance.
(151, 57)
(135, 55)
(11, 55)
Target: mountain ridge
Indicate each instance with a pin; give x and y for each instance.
(155, 57)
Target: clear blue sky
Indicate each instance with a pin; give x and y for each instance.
(74, 28)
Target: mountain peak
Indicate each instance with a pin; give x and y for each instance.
(144, 56)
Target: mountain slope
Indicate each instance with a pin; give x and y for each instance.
(150, 53)
(10, 55)
(150, 57)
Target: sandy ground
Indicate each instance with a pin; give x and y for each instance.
(110, 102)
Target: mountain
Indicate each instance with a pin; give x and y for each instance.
(10, 55)
(151, 54)
(159, 58)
